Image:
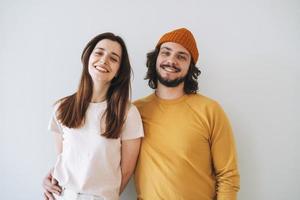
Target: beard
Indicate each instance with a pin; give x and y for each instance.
(168, 82)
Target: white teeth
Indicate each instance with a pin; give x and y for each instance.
(101, 69)
(169, 69)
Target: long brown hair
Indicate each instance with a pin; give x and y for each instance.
(190, 82)
(71, 110)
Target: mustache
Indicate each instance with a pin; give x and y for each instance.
(171, 66)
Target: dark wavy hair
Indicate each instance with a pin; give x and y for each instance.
(72, 109)
(190, 82)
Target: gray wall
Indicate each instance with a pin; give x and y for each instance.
(248, 57)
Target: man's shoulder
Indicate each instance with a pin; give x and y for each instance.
(200, 99)
(201, 103)
(143, 101)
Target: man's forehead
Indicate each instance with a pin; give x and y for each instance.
(172, 46)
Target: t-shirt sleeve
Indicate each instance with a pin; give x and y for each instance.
(54, 125)
(133, 127)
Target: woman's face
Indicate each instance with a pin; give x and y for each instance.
(105, 60)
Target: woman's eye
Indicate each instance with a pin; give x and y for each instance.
(98, 53)
(114, 59)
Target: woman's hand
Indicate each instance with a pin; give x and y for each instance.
(50, 186)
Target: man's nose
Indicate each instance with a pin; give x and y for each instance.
(172, 60)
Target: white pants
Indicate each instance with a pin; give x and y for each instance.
(71, 195)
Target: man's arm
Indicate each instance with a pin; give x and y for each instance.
(224, 156)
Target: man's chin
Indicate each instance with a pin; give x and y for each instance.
(171, 82)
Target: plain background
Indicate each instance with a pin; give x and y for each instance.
(249, 58)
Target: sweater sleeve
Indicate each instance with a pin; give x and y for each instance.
(224, 155)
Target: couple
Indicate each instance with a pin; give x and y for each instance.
(188, 152)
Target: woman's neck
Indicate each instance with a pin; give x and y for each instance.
(99, 92)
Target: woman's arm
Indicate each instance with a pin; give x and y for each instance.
(58, 140)
(129, 155)
(50, 184)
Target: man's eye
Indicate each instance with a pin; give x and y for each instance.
(180, 57)
(165, 53)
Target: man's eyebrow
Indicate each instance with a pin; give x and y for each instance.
(184, 53)
(168, 48)
(180, 52)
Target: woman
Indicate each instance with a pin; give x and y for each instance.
(97, 131)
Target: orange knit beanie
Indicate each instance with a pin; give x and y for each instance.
(183, 37)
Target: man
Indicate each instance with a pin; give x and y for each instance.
(188, 151)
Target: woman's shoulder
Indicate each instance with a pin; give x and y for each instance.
(58, 103)
(133, 125)
(132, 109)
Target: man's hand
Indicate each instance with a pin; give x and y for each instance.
(50, 186)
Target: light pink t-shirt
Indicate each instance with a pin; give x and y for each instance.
(89, 162)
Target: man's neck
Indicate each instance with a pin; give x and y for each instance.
(169, 93)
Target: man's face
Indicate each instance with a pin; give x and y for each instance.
(172, 64)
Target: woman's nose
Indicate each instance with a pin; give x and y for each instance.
(103, 59)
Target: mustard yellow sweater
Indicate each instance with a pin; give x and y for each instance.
(188, 152)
